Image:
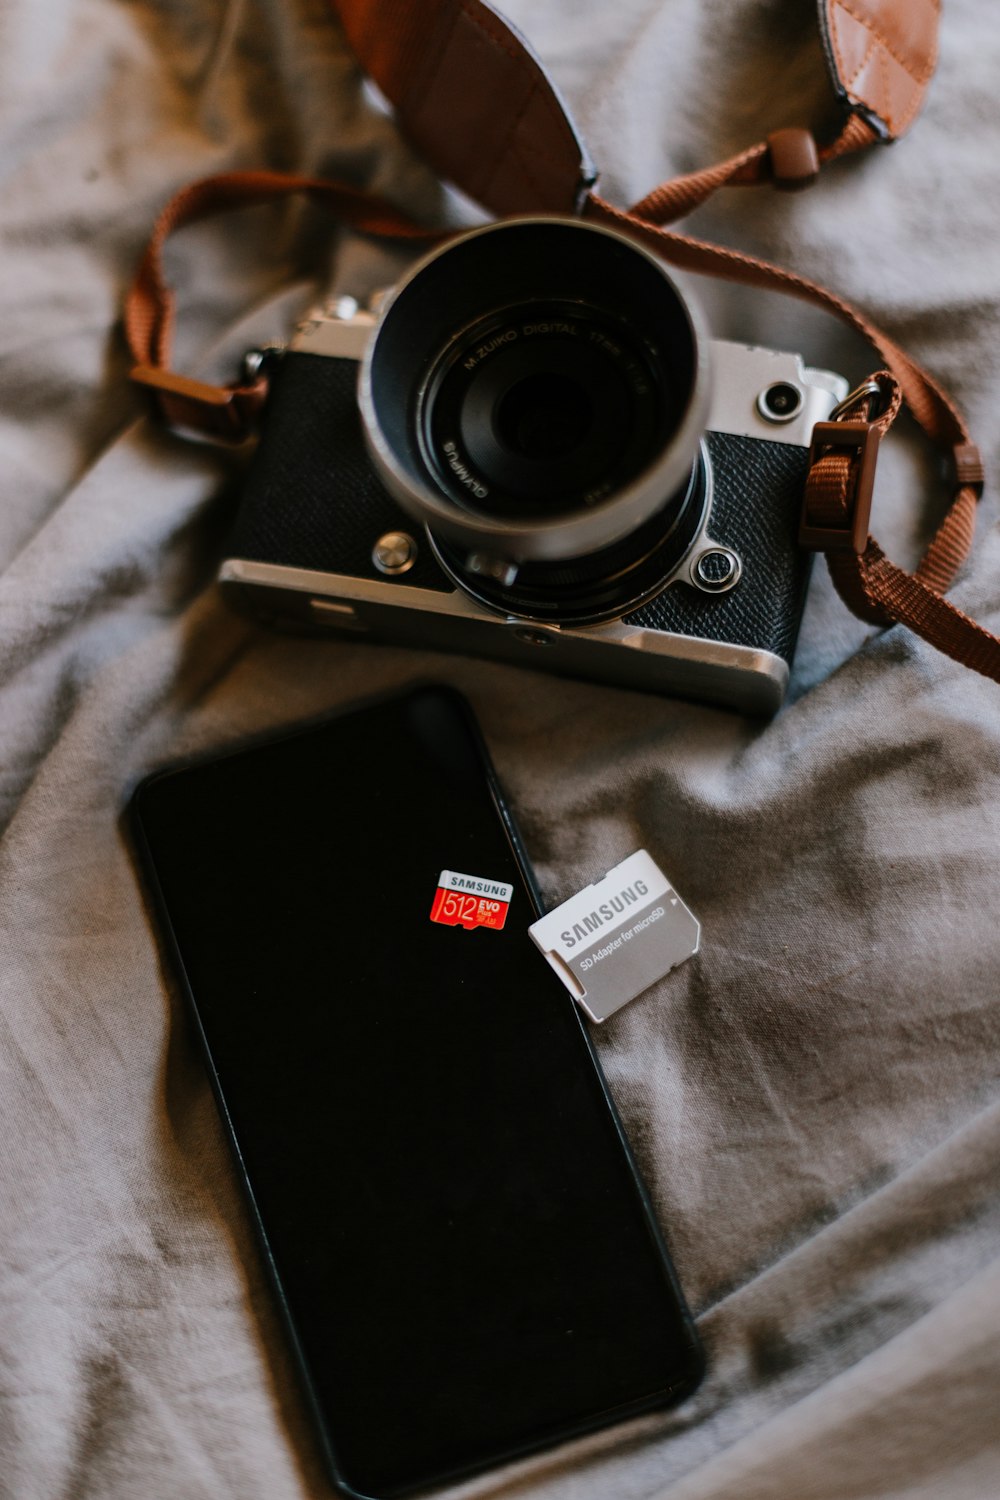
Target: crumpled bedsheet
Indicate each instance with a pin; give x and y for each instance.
(813, 1099)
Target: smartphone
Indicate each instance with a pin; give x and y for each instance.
(466, 1258)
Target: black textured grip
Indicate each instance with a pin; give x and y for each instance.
(757, 496)
(312, 499)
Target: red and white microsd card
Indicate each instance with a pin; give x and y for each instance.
(470, 901)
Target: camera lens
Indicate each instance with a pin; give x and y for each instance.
(603, 584)
(539, 410)
(544, 416)
(536, 390)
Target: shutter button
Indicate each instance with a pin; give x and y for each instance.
(394, 553)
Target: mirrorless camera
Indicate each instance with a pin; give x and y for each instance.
(534, 453)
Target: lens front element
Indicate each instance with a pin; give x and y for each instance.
(540, 410)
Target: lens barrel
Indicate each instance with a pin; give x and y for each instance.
(536, 390)
(603, 585)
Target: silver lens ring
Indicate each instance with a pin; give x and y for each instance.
(530, 261)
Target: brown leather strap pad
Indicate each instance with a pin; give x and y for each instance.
(474, 101)
(881, 55)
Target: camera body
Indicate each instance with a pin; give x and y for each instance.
(712, 612)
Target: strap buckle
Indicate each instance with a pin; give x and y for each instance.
(223, 414)
(836, 507)
(868, 390)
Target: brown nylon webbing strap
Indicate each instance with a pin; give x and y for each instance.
(149, 311)
(871, 586)
(882, 593)
(227, 413)
(789, 159)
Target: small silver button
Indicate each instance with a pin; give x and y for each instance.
(394, 553)
(716, 570)
(780, 402)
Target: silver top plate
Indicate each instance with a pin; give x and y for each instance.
(741, 372)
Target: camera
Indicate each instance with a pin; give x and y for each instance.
(533, 452)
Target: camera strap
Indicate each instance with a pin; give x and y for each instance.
(476, 102)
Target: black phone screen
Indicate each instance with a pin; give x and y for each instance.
(463, 1250)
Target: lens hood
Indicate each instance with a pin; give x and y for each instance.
(571, 371)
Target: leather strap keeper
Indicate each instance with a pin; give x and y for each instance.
(794, 159)
(969, 467)
(835, 516)
(226, 414)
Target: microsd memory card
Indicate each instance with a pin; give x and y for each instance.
(470, 901)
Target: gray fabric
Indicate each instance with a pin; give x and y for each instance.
(812, 1099)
